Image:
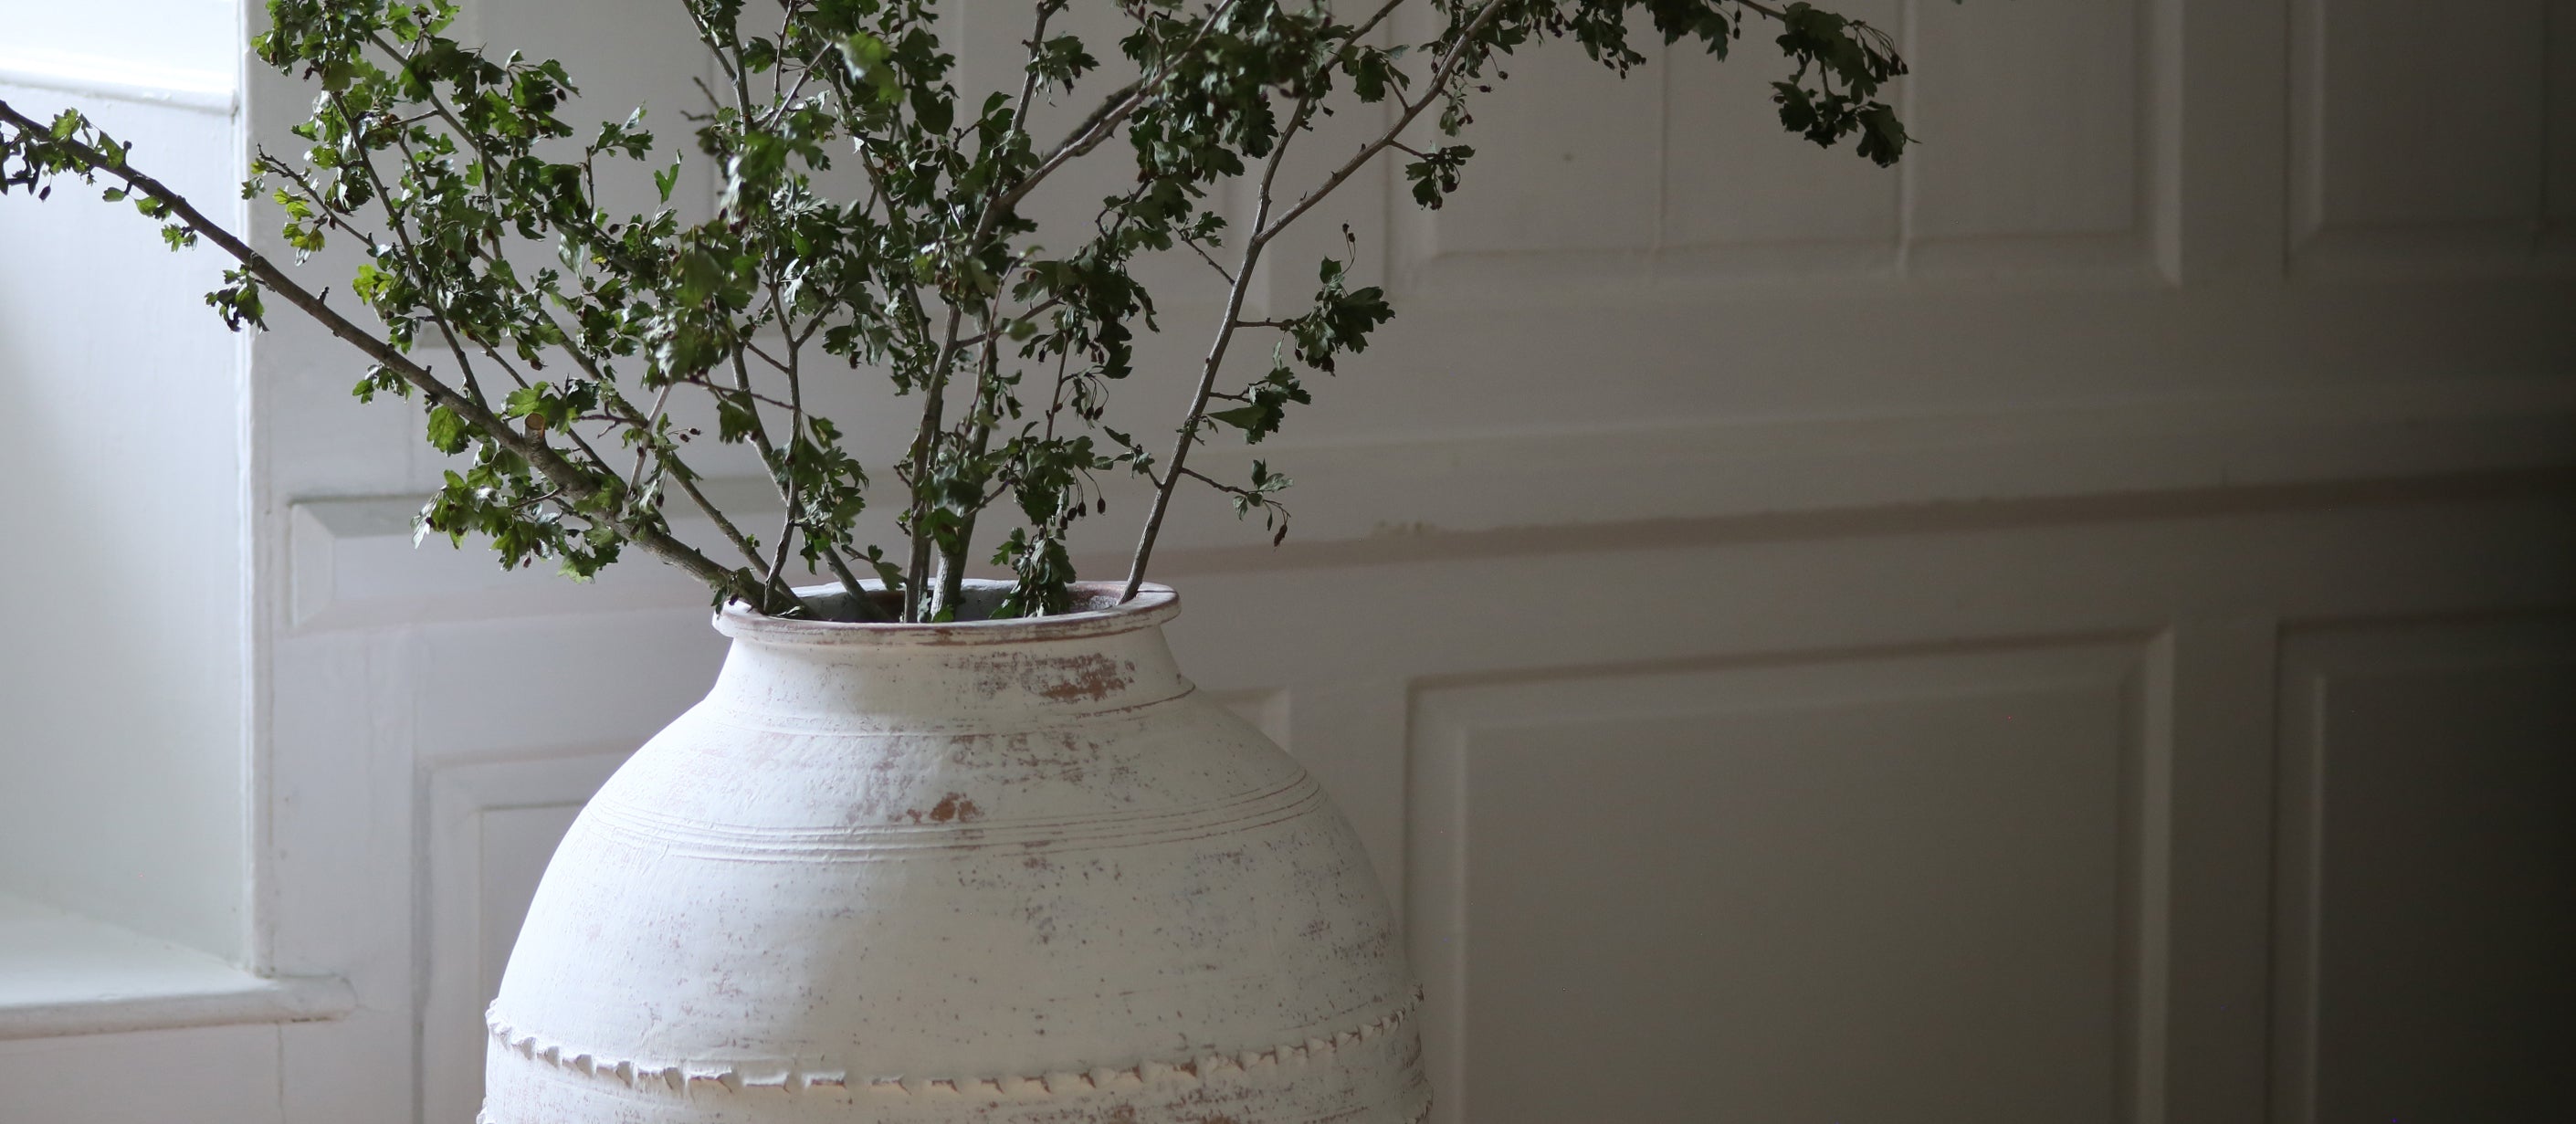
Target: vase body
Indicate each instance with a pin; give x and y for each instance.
(1012, 872)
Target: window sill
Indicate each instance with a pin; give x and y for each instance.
(62, 974)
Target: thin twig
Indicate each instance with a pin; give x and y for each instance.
(1104, 121)
(1264, 230)
(402, 237)
(1201, 251)
(1440, 78)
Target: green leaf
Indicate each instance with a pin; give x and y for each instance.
(1266, 407)
(448, 433)
(735, 420)
(1882, 136)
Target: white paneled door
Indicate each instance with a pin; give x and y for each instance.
(2006, 815)
(2072, 630)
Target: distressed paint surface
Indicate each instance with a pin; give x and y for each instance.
(1018, 872)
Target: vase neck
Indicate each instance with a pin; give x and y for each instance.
(951, 685)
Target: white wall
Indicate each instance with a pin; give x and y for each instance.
(190, 44)
(1989, 640)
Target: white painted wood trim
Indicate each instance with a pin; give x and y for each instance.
(450, 1062)
(2210, 717)
(354, 565)
(2313, 658)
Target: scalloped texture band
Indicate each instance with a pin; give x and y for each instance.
(794, 1077)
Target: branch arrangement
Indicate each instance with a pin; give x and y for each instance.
(565, 335)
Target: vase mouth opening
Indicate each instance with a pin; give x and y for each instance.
(1096, 611)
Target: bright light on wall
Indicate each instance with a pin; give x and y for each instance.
(191, 44)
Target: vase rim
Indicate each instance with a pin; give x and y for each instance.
(1097, 612)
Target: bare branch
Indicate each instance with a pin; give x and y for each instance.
(572, 480)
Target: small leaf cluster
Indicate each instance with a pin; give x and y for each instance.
(1842, 63)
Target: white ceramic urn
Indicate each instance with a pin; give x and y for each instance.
(1012, 872)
